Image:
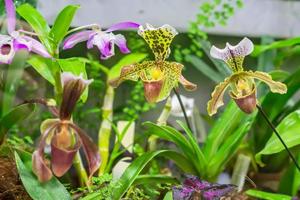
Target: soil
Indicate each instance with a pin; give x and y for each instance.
(11, 187)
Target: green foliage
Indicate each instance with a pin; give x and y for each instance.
(52, 190)
(267, 195)
(38, 24)
(51, 38)
(290, 181)
(136, 167)
(15, 116)
(62, 24)
(287, 129)
(208, 164)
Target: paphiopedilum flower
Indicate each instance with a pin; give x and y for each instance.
(159, 76)
(104, 40)
(194, 188)
(11, 43)
(64, 136)
(241, 82)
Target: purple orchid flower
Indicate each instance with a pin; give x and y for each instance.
(194, 188)
(11, 43)
(104, 40)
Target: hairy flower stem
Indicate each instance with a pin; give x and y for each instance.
(278, 135)
(105, 128)
(162, 120)
(182, 108)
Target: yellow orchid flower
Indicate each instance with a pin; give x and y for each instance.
(159, 76)
(241, 82)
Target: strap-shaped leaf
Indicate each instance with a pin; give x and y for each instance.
(62, 24)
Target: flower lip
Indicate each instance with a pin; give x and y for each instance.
(246, 103)
(152, 89)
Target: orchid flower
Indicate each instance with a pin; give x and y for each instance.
(60, 134)
(159, 76)
(194, 188)
(104, 40)
(10, 44)
(241, 82)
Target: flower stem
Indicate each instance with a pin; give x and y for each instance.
(279, 137)
(27, 32)
(83, 177)
(105, 128)
(84, 27)
(182, 108)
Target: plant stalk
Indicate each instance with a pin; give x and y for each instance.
(83, 177)
(161, 121)
(182, 108)
(278, 135)
(105, 128)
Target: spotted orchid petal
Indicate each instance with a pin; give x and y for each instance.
(275, 86)
(158, 39)
(132, 72)
(40, 166)
(216, 100)
(90, 150)
(122, 26)
(73, 87)
(76, 38)
(35, 46)
(10, 15)
(233, 55)
(7, 52)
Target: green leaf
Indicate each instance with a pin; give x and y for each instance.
(265, 60)
(226, 124)
(227, 150)
(290, 181)
(62, 24)
(41, 65)
(168, 196)
(157, 178)
(136, 167)
(193, 142)
(258, 49)
(51, 190)
(76, 66)
(38, 24)
(16, 115)
(12, 80)
(129, 59)
(207, 70)
(267, 195)
(288, 129)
